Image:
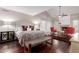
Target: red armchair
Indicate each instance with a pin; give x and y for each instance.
(53, 29)
(70, 30)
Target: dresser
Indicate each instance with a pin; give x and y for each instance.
(7, 36)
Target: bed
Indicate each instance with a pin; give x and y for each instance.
(30, 39)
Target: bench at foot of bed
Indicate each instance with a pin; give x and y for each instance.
(33, 43)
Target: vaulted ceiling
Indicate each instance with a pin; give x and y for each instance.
(44, 12)
(30, 10)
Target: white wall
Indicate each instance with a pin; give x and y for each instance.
(7, 28)
(76, 25)
(45, 25)
(12, 26)
(57, 25)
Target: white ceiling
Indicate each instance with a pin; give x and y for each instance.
(9, 15)
(53, 12)
(30, 10)
(44, 12)
(68, 10)
(34, 10)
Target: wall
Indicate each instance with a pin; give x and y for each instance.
(7, 28)
(12, 26)
(45, 25)
(57, 25)
(76, 25)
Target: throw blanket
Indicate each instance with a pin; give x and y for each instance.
(26, 36)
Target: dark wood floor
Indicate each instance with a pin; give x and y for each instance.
(14, 47)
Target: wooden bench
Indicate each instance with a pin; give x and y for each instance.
(33, 43)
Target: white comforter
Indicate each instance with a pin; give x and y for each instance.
(26, 36)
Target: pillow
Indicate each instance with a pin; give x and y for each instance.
(31, 27)
(24, 28)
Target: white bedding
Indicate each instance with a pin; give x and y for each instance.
(27, 36)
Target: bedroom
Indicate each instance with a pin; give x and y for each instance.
(20, 24)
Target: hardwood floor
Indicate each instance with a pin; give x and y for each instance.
(14, 47)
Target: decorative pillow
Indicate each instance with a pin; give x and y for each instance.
(31, 27)
(24, 28)
(53, 29)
